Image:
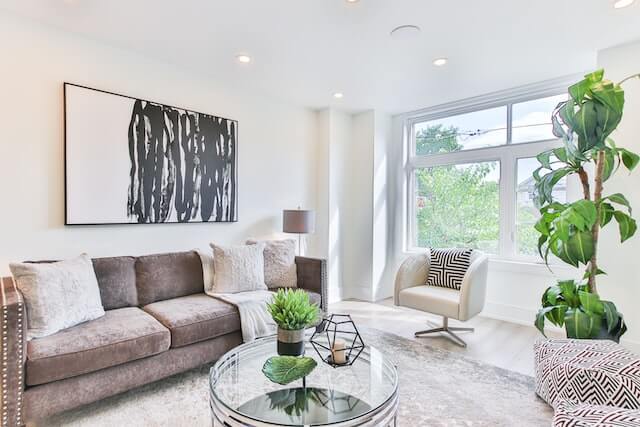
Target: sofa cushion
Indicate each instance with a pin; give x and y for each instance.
(120, 336)
(165, 276)
(195, 318)
(117, 281)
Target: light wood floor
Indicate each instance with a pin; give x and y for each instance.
(503, 344)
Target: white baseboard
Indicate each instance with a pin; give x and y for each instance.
(525, 316)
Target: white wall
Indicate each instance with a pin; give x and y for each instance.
(357, 205)
(277, 146)
(622, 282)
(353, 152)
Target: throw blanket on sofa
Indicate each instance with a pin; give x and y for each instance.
(255, 320)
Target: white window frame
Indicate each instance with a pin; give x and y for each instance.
(507, 155)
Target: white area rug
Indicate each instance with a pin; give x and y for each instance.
(437, 388)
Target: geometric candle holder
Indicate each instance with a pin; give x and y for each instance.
(337, 340)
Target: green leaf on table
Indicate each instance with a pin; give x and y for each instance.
(285, 369)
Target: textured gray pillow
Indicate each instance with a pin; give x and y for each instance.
(238, 268)
(279, 263)
(58, 295)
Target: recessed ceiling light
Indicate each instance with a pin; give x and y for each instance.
(405, 32)
(619, 4)
(338, 95)
(245, 59)
(439, 62)
(353, 1)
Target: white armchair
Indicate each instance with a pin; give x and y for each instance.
(411, 291)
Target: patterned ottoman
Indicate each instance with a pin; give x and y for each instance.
(593, 372)
(583, 415)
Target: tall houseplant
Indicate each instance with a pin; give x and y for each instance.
(571, 231)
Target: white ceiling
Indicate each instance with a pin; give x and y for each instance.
(305, 50)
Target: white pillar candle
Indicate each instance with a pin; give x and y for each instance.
(338, 352)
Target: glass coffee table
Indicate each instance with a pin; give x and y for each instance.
(362, 394)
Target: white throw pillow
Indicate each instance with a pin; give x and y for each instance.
(206, 258)
(279, 263)
(58, 295)
(238, 268)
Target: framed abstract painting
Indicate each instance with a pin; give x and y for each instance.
(133, 161)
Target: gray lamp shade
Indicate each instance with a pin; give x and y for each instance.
(298, 221)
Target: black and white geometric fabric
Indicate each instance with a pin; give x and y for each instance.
(448, 267)
(583, 415)
(593, 372)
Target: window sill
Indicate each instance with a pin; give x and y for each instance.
(531, 267)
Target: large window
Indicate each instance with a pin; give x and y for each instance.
(471, 176)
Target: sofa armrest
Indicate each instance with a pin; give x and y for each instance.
(14, 323)
(474, 287)
(413, 272)
(312, 276)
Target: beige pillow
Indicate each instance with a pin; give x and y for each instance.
(206, 258)
(279, 263)
(238, 268)
(58, 295)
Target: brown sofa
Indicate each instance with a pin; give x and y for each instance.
(158, 322)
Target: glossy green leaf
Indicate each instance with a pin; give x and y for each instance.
(581, 325)
(611, 315)
(561, 154)
(591, 303)
(286, 369)
(580, 246)
(626, 225)
(606, 213)
(569, 292)
(620, 199)
(629, 159)
(545, 159)
(609, 164)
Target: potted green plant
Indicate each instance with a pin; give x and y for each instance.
(292, 311)
(570, 231)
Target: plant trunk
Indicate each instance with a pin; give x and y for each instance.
(584, 179)
(597, 197)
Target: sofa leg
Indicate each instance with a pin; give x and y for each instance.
(448, 330)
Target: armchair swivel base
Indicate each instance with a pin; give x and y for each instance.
(449, 330)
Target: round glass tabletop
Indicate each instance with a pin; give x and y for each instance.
(361, 394)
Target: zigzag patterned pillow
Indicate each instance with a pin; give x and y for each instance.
(448, 267)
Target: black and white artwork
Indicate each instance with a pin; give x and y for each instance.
(128, 160)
